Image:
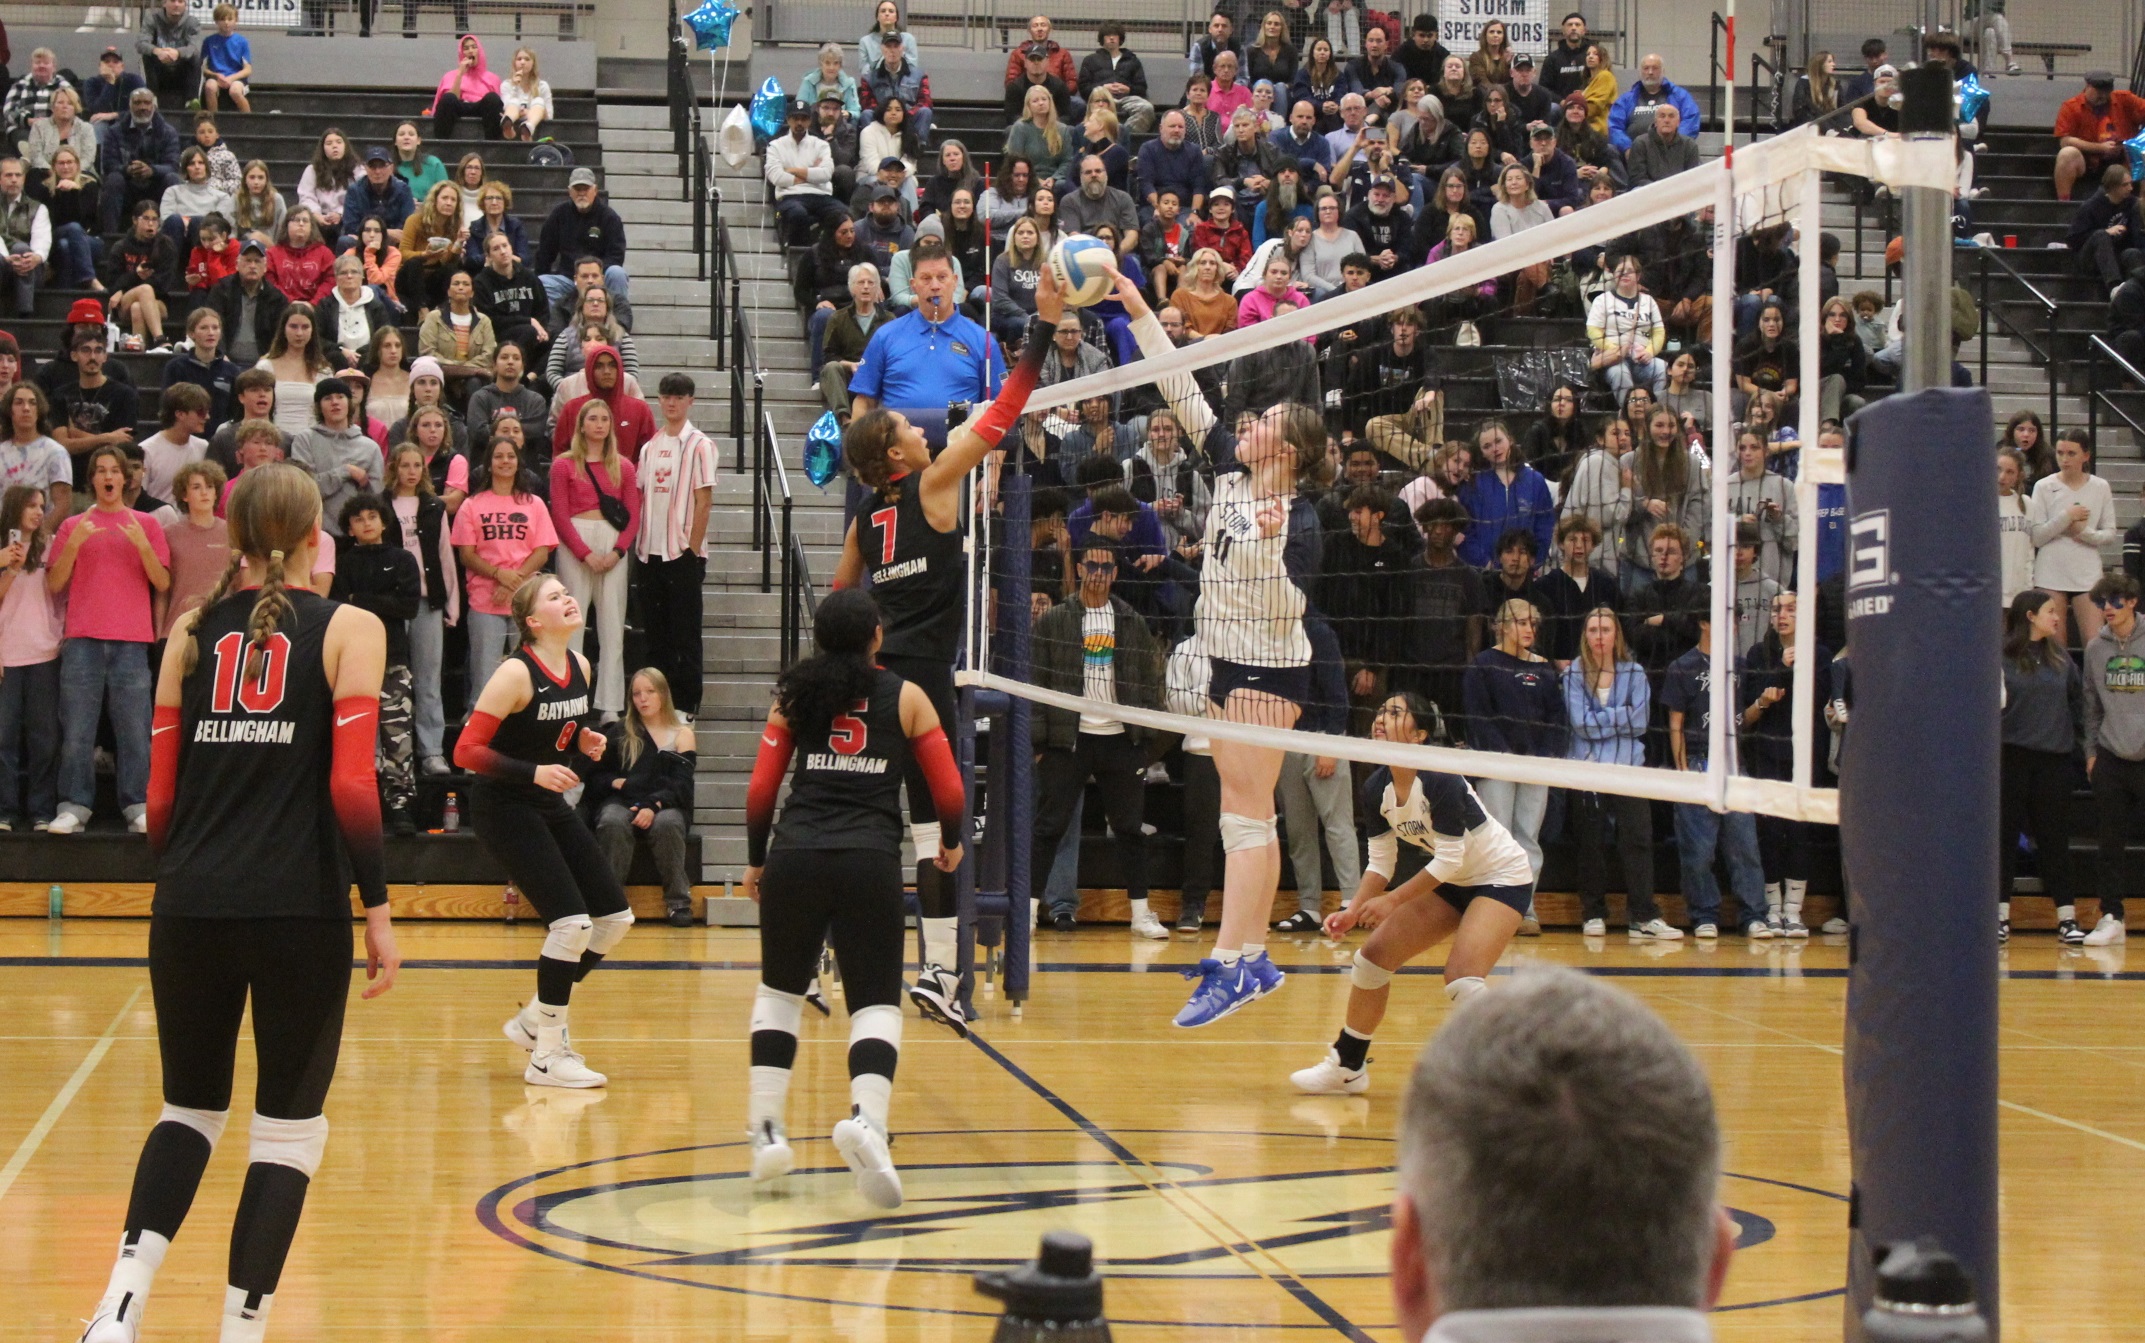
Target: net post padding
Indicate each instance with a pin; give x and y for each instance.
(1013, 802)
(1917, 832)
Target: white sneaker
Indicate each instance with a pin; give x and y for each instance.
(1706, 930)
(937, 995)
(864, 1148)
(1150, 927)
(562, 1067)
(67, 823)
(140, 824)
(521, 1029)
(1658, 929)
(116, 1321)
(771, 1155)
(1594, 927)
(2106, 933)
(1328, 1078)
(1758, 930)
(1833, 925)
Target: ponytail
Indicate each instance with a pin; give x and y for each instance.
(270, 609)
(272, 514)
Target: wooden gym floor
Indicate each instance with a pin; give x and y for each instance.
(456, 1204)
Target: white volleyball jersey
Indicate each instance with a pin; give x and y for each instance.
(1250, 609)
(1468, 846)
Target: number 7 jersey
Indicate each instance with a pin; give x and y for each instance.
(916, 573)
(253, 832)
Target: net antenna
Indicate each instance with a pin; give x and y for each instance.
(1776, 178)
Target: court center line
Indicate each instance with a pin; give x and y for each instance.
(35, 1138)
(1163, 1186)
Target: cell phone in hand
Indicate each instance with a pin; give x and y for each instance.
(1376, 135)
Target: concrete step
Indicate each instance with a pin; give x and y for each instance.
(632, 116)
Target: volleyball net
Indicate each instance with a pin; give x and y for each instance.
(1434, 386)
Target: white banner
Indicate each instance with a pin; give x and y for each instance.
(251, 13)
(1526, 24)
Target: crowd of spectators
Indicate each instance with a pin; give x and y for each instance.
(461, 384)
(1531, 555)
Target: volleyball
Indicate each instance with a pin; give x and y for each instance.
(1081, 267)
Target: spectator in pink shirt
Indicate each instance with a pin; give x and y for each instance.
(596, 509)
(1228, 92)
(122, 560)
(503, 535)
(30, 630)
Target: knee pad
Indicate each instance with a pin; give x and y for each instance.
(1239, 833)
(607, 931)
(882, 1021)
(774, 1010)
(1460, 990)
(1364, 975)
(208, 1123)
(569, 937)
(925, 838)
(296, 1143)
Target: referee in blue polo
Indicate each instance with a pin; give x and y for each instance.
(932, 357)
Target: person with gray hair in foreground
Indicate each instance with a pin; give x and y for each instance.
(1558, 1175)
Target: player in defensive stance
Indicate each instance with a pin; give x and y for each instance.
(908, 539)
(1477, 870)
(529, 722)
(1250, 621)
(262, 810)
(835, 875)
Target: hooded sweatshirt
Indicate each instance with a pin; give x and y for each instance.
(2115, 693)
(633, 422)
(467, 85)
(326, 453)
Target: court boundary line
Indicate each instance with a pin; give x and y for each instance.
(1140, 1170)
(27, 1149)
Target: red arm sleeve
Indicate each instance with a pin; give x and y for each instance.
(163, 772)
(776, 746)
(1013, 393)
(473, 752)
(355, 791)
(948, 794)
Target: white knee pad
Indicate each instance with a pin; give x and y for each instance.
(569, 937)
(208, 1123)
(1239, 833)
(774, 1010)
(296, 1143)
(880, 1022)
(925, 838)
(1460, 990)
(608, 931)
(1364, 975)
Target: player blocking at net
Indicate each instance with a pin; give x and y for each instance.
(908, 540)
(1478, 871)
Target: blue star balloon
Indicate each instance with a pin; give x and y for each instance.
(770, 110)
(711, 24)
(2134, 148)
(823, 450)
(1973, 99)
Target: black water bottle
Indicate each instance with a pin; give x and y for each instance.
(1923, 1296)
(1056, 1299)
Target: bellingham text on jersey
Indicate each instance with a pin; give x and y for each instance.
(845, 764)
(248, 731)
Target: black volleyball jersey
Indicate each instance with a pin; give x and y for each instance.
(253, 832)
(916, 573)
(845, 789)
(546, 730)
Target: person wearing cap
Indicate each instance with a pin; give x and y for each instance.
(1172, 160)
(1120, 71)
(896, 75)
(1376, 73)
(140, 160)
(1421, 54)
(379, 192)
(1878, 116)
(1556, 173)
(1942, 48)
(1033, 62)
(892, 171)
(584, 225)
(1057, 61)
(1383, 226)
(1652, 88)
(900, 274)
(1530, 101)
(885, 229)
(833, 124)
(1661, 154)
(342, 460)
(30, 97)
(2091, 129)
(105, 94)
(1563, 67)
(250, 306)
